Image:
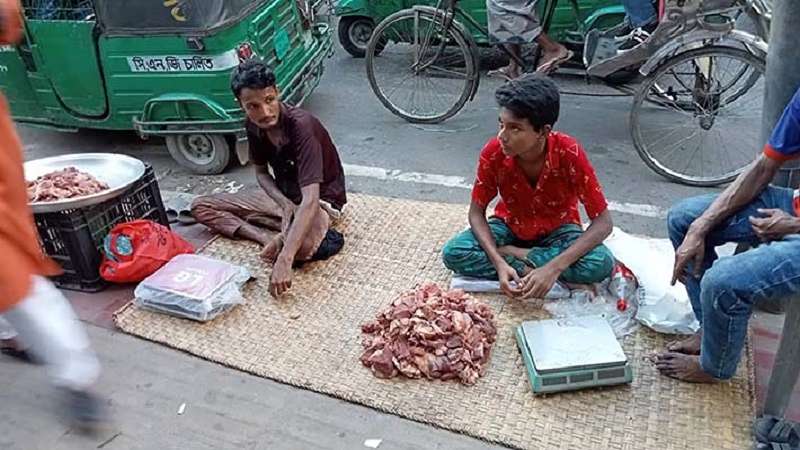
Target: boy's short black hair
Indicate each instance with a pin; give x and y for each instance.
(533, 97)
(252, 73)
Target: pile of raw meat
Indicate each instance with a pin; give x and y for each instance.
(61, 184)
(430, 333)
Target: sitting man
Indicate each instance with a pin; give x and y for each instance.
(723, 292)
(535, 236)
(303, 198)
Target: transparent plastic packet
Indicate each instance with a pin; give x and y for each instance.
(193, 287)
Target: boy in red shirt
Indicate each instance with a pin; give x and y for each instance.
(534, 237)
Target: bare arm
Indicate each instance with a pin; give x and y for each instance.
(598, 231)
(741, 192)
(301, 224)
(736, 196)
(267, 183)
(480, 228)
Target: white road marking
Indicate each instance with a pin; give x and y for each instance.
(379, 173)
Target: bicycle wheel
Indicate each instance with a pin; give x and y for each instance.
(426, 71)
(696, 120)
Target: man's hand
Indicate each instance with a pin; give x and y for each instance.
(281, 279)
(692, 249)
(287, 215)
(775, 225)
(506, 274)
(539, 281)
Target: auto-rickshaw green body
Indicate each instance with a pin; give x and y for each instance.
(160, 67)
(571, 19)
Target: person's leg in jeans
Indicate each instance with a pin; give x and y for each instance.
(464, 255)
(728, 291)
(735, 229)
(46, 323)
(640, 13)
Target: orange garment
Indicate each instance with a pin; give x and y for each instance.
(20, 253)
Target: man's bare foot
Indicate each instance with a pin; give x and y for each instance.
(271, 251)
(508, 72)
(682, 367)
(516, 252)
(688, 346)
(552, 58)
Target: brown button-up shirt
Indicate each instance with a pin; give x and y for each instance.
(308, 156)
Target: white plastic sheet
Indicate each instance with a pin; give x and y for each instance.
(662, 307)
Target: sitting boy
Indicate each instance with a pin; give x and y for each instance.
(534, 237)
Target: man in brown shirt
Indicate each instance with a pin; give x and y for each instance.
(300, 199)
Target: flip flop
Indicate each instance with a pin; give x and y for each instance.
(172, 215)
(499, 73)
(185, 217)
(773, 430)
(553, 65)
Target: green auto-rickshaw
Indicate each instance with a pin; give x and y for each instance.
(569, 23)
(161, 67)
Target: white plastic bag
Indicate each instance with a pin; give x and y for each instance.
(194, 287)
(662, 307)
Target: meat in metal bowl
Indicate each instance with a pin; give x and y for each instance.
(117, 171)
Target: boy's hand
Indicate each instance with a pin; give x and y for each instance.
(506, 274)
(539, 281)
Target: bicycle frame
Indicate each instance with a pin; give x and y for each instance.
(451, 11)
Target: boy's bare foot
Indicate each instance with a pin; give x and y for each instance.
(688, 346)
(683, 367)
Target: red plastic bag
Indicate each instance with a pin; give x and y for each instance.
(132, 251)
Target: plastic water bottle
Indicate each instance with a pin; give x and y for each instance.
(622, 286)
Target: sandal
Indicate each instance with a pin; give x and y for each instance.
(773, 430)
(553, 65)
(501, 73)
(185, 217)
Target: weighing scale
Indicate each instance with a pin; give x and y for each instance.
(570, 354)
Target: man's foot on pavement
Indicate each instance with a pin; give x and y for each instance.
(688, 346)
(84, 410)
(552, 59)
(509, 72)
(682, 367)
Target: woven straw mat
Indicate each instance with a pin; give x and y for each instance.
(312, 339)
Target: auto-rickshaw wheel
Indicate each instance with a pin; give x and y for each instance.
(354, 33)
(204, 154)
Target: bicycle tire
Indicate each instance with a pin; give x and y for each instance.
(642, 96)
(377, 39)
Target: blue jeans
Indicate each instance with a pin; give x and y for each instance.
(640, 12)
(723, 297)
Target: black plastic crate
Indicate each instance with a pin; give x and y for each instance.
(74, 238)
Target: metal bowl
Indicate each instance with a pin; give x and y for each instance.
(117, 171)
